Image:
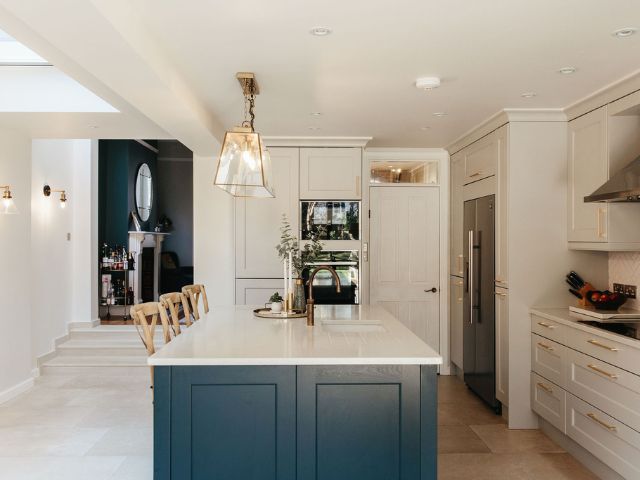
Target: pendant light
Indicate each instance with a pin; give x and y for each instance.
(244, 167)
(7, 206)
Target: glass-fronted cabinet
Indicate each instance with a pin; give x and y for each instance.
(332, 220)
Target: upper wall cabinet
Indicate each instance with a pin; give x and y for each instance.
(588, 169)
(480, 159)
(258, 219)
(457, 216)
(601, 143)
(330, 173)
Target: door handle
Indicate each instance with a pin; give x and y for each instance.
(432, 290)
(470, 277)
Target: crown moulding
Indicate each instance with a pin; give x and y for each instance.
(360, 142)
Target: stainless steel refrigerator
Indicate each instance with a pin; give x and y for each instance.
(479, 301)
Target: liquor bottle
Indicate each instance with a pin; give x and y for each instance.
(132, 262)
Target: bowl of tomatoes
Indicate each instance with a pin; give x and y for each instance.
(606, 300)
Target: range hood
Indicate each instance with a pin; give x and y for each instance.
(624, 186)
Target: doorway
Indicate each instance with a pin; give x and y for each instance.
(405, 257)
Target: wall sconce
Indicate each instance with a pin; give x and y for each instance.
(63, 195)
(7, 207)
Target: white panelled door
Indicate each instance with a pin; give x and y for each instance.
(405, 257)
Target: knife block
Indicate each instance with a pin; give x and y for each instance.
(583, 291)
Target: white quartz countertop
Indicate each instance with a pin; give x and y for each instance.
(342, 335)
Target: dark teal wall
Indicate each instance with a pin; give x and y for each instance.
(119, 161)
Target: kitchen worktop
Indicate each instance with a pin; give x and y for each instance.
(575, 320)
(342, 335)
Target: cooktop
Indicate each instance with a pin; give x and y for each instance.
(631, 330)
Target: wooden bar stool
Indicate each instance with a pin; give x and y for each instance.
(172, 302)
(194, 293)
(146, 317)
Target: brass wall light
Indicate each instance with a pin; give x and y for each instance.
(63, 195)
(7, 207)
(244, 167)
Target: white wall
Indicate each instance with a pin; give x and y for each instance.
(15, 287)
(63, 276)
(213, 234)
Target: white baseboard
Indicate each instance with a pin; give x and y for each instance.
(16, 390)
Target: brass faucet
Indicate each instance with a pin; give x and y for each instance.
(310, 301)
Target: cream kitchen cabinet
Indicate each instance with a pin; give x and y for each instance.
(502, 208)
(588, 170)
(480, 159)
(457, 216)
(601, 143)
(502, 344)
(456, 294)
(257, 291)
(258, 220)
(330, 173)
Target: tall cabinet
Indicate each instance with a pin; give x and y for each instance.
(298, 173)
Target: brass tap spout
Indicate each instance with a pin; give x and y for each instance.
(310, 301)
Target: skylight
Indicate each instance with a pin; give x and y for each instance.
(13, 52)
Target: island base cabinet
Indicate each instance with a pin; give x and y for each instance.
(225, 422)
(367, 422)
(295, 422)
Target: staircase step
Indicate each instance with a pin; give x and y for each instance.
(103, 332)
(95, 361)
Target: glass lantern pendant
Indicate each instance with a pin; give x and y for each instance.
(244, 167)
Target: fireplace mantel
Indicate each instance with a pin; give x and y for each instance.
(138, 241)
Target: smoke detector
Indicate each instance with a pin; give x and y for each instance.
(427, 83)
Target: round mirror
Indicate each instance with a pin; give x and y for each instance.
(144, 192)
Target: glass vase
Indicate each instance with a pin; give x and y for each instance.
(299, 299)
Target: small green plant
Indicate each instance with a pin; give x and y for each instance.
(289, 243)
(275, 298)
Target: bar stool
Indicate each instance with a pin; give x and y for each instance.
(145, 318)
(193, 293)
(172, 302)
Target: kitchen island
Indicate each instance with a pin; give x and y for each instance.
(240, 397)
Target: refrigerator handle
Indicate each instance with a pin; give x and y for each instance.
(470, 281)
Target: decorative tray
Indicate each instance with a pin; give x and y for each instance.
(266, 313)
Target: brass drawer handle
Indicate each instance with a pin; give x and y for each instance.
(603, 372)
(544, 387)
(500, 294)
(547, 325)
(593, 417)
(477, 174)
(602, 345)
(545, 346)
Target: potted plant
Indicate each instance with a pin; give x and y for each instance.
(300, 257)
(276, 302)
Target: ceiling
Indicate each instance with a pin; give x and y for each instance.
(174, 62)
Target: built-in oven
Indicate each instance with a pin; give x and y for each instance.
(346, 263)
(330, 219)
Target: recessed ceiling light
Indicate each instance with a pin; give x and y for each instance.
(440, 114)
(425, 128)
(567, 70)
(320, 31)
(528, 94)
(313, 128)
(315, 114)
(624, 32)
(427, 83)
(93, 126)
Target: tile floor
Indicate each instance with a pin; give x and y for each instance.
(98, 426)
(474, 443)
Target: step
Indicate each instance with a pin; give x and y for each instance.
(104, 332)
(70, 361)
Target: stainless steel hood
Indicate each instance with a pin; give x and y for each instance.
(624, 186)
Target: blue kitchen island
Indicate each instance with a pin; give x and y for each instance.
(240, 397)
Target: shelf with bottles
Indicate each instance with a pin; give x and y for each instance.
(116, 259)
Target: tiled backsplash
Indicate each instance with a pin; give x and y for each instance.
(624, 267)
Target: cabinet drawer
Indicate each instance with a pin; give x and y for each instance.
(611, 441)
(547, 359)
(609, 388)
(604, 349)
(548, 401)
(547, 328)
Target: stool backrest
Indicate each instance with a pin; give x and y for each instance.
(172, 302)
(146, 317)
(194, 293)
